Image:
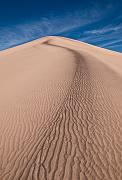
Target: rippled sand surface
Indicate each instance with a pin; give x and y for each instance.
(60, 111)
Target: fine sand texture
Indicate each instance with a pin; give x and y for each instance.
(60, 111)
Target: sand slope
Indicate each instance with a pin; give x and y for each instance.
(60, 112)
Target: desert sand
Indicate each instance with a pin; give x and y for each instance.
(60, 111)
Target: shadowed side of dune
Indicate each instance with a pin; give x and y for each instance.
(65, 124)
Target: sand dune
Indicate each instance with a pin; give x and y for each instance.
(60, 111)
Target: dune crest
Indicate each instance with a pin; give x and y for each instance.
(60, 111)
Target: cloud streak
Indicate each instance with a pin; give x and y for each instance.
(104, 30)
(106, 37)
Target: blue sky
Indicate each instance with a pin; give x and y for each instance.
(98, 22)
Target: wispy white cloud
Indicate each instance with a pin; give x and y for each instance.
(107, 37)
(116, 46)
(114, 42)
(104, 30)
